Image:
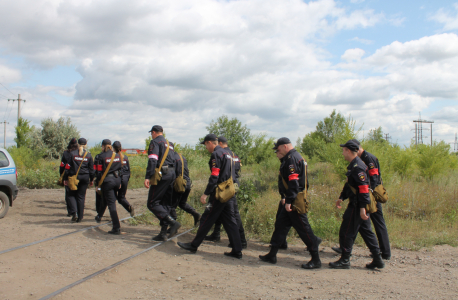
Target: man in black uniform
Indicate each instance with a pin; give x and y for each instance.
(80, 159)
(220, 166)
(357, 190)
(377, 218)
(64, 167)
(160, 195)
(216, 235)
(181, 199)
(110, 184)
(293, 170)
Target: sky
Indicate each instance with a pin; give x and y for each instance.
(117, 68)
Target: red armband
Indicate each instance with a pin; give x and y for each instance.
(363, 189)
(373, 172)
(215, 172)
(293, 177)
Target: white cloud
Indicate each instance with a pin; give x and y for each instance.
(353, 54)
(362, 41)
(183, 63)
(447, 18)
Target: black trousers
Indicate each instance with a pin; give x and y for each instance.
(181, 200)
(300, 222)
(160, 197)
(238, 219)
(227, 212)
(71, 207)
(100, 204)
(110, 187)
(380, 230)
(121, 193)
(351, 225)
(78, 198)
(280, 206)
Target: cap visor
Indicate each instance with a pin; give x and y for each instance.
(342, 145)
(202, 143)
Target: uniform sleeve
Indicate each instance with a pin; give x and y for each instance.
(63, 162)
(238, 167)
(97, 167)
(68, 160)
(281, 187)
(128, 165)
(362, 190)
(215, 170)
(292, 180)
(90, 166)
(153, 155)
(374, 172)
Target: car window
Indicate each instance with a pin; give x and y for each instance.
(4, 162)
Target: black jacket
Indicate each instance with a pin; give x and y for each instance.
(102, 161)
(358, 179)
(293, 171)
(66, 156)
(125, 170)
(156, 151)
(235, 165)
(220, 167)
(74, 161)
(373, 168)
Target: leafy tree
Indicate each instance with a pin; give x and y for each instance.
(52, 139)
(376, 135)
(23, 129)
(331, 127)
(433, 160)
(261, 148)
(238, 135)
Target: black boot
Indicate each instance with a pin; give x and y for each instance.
(187, 246)
(214, 237)
(342, 263)
(337, 249)
(162, 236)
(174, 225)
(196, 217)
(98, 219)
(74, 217)
(377, 262)
(314, 263)
(132, 211)
(271, 256)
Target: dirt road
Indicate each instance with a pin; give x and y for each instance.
(168, 272)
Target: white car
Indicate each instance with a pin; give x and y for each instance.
(8, 182)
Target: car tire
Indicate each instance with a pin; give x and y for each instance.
(4, 204)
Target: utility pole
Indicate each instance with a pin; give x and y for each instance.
(387, 137)
(18, 106)
(4, 133)
(419, 130)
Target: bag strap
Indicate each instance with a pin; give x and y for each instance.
(182, 164)
(84, 156)
(165, 155)
(107, 169)
(62, 176)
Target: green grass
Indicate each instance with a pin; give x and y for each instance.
(419, 213)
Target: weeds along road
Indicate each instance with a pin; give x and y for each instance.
(169, 272)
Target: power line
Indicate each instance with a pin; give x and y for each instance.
(419, 130)
(6, 88)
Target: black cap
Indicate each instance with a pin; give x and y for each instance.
(106, 142)
(72, 142)
(210, 137)
(222, 139)
(281, 141)
(82, 141)
(157, 128)
(117, 145)
(356, 142)
(351, 144)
